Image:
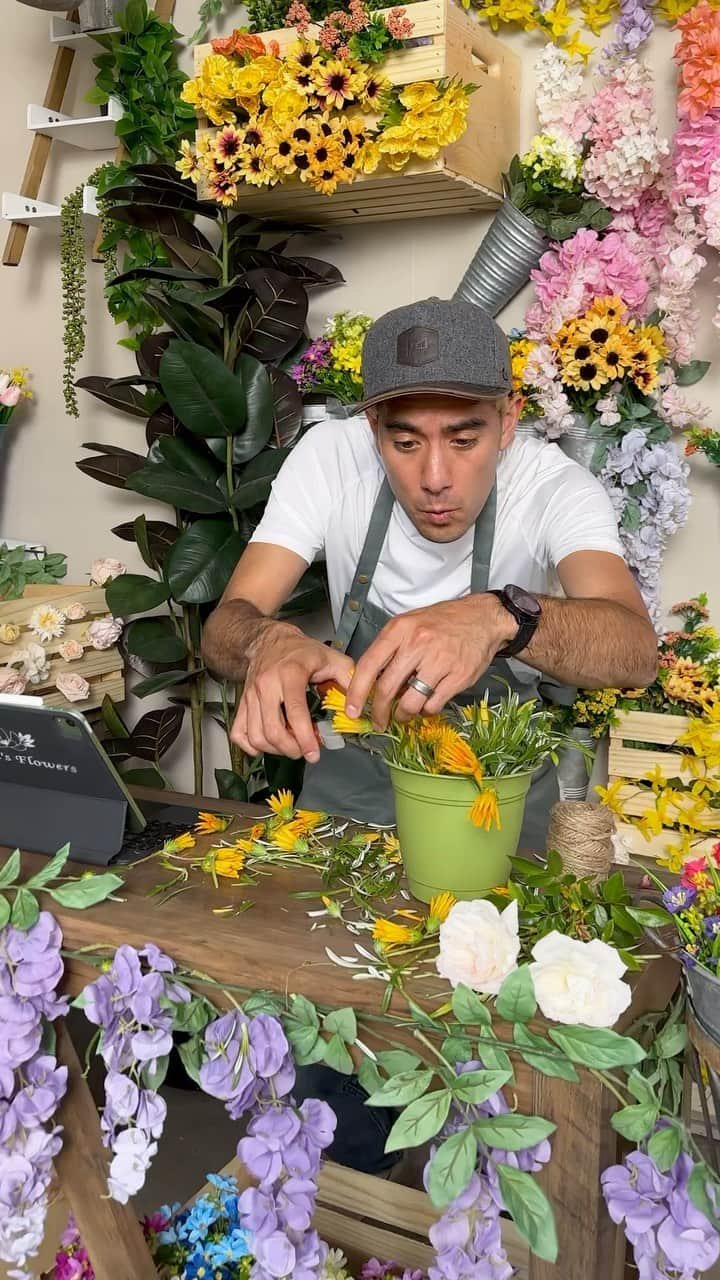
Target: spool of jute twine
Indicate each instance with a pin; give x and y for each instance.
(582, 834)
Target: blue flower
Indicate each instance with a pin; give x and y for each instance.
(199, 1221)
(688, 957)
(222, 1182)
(711, 926)
(679, 898)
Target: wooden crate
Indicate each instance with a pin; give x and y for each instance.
(371, 1217)
(465, 177)
(635, 762)
(102, 668)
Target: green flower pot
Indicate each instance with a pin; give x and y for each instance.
(441, 848)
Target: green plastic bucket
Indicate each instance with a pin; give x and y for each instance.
(441, 848)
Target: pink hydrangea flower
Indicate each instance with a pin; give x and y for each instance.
(571, 275)
(72, 686)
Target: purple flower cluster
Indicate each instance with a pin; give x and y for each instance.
(634, 26)
(317, 356)
(132, 1002)
(671, 1239)
(249, 1065)
(663, 504)
(31, 1084)
(467, 1238)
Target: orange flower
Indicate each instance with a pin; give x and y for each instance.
(484, 810)
(242, 43)
(457, 756)
(208, 823)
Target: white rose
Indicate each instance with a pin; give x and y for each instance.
(104, 633)
(579, 982)
(105, 570)
(35, 665)
(479, 945)
(72, 686)
(76, 611)
(70, 651)
(12, 681)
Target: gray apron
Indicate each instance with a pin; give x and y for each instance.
(355, 783)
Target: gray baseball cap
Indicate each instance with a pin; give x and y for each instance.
(435, 346)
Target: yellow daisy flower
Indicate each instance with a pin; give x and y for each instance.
(189, 164)
(484, 810)
(391, 847)
(225, 862)
(308, 819)
(439, 910)
(282, 804)
(184, 841)
(390, 934)
(208, 823)
(289, 837)
(456, 755)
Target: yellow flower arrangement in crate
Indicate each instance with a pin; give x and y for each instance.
(284, 118)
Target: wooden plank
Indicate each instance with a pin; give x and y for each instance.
(633, 762)
(110, 1231)
(656, 846)
(649, 726)
(637, 804)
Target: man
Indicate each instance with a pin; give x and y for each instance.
(443, 539)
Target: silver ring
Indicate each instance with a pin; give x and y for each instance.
(425, 689)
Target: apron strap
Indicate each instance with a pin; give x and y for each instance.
(356, 598)
(483, 545)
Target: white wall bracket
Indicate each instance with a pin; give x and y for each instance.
(69, 35)
(16, 208)
(93, 133)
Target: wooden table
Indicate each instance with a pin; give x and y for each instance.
(271, 947)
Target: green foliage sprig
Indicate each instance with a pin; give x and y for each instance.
(19, 568)
(555, 210)
(19, 904)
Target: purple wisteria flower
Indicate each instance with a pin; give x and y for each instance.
(671, 1239)
(32, 1085)
(634, 26)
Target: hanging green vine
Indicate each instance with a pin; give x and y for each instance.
(73, 271)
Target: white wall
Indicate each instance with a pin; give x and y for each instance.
(43, 497)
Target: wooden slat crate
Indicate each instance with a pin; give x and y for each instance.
(636, 762)
(370, 1217)
(466, 176)
(102, 668)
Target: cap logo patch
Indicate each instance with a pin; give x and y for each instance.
(418, 346)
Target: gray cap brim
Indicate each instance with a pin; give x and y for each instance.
(459, 390)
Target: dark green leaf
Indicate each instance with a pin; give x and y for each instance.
(176, 473)
(52, 868)
(452, 1167)
(155, 732)
(256, 480)
(597, 1046)
(686, 375)
(258, 395)
(200, 564)
(671, 1041)
(469, 1008)
(167, 223)
(155, 639)
(230, 786)
(530, 1209)
(25, 910)
(420, 1121)
(129, 399)
(165, 680)
(316, 273)
(134, 593)
(402, 1088)
(114, 468)
(275, 318)
(287, 407)
(613, 890)
(86, 892)
(112, 719)
(190, 321)
(160, 536)
(192, 1056)
(203, 393)
(144, 778)
(650, 917)
(513, 1131)
(516, 999)
(153, 272)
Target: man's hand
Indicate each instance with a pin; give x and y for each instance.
(448, 646)
(273, 713)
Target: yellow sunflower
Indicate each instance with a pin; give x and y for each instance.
(282, 805)
(336, 84)
(390, 934)
(189, 163)
(208, 823)
(440, 906)
(254, 169)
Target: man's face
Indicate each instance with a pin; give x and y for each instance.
(440, 455)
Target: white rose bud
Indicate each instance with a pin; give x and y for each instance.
(76, 611)
(104, 633)
(579, 982)
(479, 945)
(71, 650)
(105, 570)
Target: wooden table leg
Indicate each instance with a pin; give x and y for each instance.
(110, 1232)
(582, 1147)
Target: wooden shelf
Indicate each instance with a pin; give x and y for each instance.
(92, 133)
(69, 36)
(23, 209)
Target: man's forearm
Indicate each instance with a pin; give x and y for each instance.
(594, 644)
(229, 635)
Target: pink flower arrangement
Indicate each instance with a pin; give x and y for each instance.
(625, 153)
(571, 275)
(698, 55)
(696, 161)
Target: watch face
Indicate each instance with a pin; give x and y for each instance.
(523, 601)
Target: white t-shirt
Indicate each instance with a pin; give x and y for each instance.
(322, 499)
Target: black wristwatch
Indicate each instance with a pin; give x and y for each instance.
(525, 609)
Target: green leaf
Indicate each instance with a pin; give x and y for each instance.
(516, 999)
(201, 562)
(494, 1059)
(154, 1077)
(112, 719)
(707, 1201)
(304, 1041)
(451, 1167)
(457, 1049)
(342, 1022)
(4, 911)
(337, 1056)
(635, 1122)
(401, 1089)
(258, 396)
(155, 732)
(640, 1088)
(420, 1121)
(257, 477)
(664, 1147)
(52, 868)
(144, 778)
(671, 1041)
(25, 910)
(165, 680)
(369, 1076)
(193, 1016)
(650, 917)
(597, 1046)
(86, 892)
(134, 593)
(530, 1209)
(513, 1131)
(202, 392)
(155, 639)
(396, 1060)
(478, 1086)
(613, 890)
(231, 786)
(304, 1011)
(469, 1008)
(176, 473)
(10, 870)
(686, 375)
(545, 1063)
(192, 1057)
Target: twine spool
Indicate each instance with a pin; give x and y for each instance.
(582, 834)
